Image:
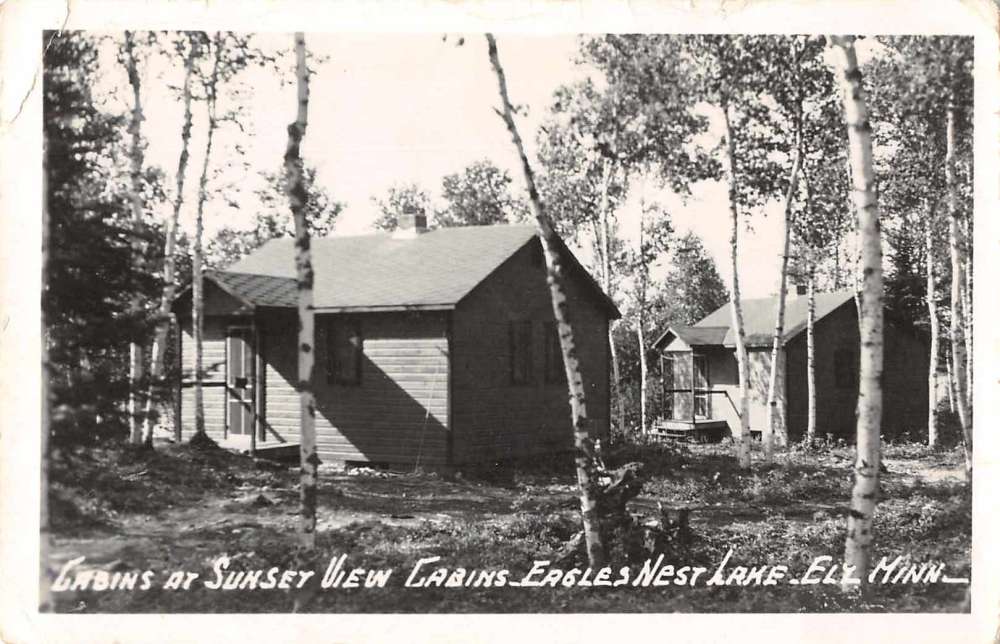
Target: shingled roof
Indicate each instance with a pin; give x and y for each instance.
(381, 272)
(758, 321)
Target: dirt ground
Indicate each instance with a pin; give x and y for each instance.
(179, 509)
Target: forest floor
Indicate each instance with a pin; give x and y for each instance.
(180, 509)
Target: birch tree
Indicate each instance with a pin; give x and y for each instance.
(800, 83)
(297, 200)
(169, 254)
(929, 147)
(197, 277)
(775, 416)
(555, 271)
(654, 234)
(641, 121)
(815, 222)
(958, 308)
(136, 353)
(731, 75)
(869, 413)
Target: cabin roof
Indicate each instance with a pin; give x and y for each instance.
(696, 336)
(433, 270)
(758, 320)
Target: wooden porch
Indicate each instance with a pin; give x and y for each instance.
(687, 411)
(692, 431)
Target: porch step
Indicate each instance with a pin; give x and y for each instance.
(265, 449)
(702, 431)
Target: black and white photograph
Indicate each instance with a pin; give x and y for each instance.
(504, 320)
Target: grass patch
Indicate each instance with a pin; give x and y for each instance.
(181, 509)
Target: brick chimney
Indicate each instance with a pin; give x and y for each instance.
(411, 223)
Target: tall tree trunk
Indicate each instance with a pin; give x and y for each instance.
(811, 357)
(585, 458)
(297, 198)
(197, 279)
(136, 358)
(163, 325)
(957, 314)
(967, 318)
(869, 413)
(605, 244)
(932, 315)
(742, 358)
(951, 379)
(643, 374)
(643, 278)
(776, 417)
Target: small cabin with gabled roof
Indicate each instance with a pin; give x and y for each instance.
(433, 347)
(698, 397)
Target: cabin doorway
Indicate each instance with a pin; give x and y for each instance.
(240, 380)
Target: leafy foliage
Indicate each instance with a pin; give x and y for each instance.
(400, 199)
(92, 273)
(273, 219)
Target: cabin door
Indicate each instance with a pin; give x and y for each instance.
(239, 380)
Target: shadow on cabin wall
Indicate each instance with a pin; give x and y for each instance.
(394, 412)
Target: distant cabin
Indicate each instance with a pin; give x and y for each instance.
(433, 347)
(699, 388)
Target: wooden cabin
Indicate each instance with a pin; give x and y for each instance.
(699, 388)
(432, 347)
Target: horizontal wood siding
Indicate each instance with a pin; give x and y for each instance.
(214, 365)
(494, 419)
(278, 332)
(397, 414)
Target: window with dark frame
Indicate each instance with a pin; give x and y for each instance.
(555, 372)
(520, 352)
(844, 371)
(343, 352)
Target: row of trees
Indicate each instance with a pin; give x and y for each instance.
(783, 139)
(759, 114)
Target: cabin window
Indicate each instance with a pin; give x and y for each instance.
(343, 352)
(555, 373)
(520, 352)
(844, 370)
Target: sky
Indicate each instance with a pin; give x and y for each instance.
(391, 109)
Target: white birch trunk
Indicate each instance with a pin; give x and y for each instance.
(157, 367)
(958, 354)
(643, 278)
(967, 317)
(932, 368)
(857, 552)
(643, 374)
(298, 197)
(811, 358)
(136, 358)
(775, 415)
(583, 442)
(605, 242)
(197, 281)
(742, 358)
(951, 379)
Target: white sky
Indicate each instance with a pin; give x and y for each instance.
(409, 108)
